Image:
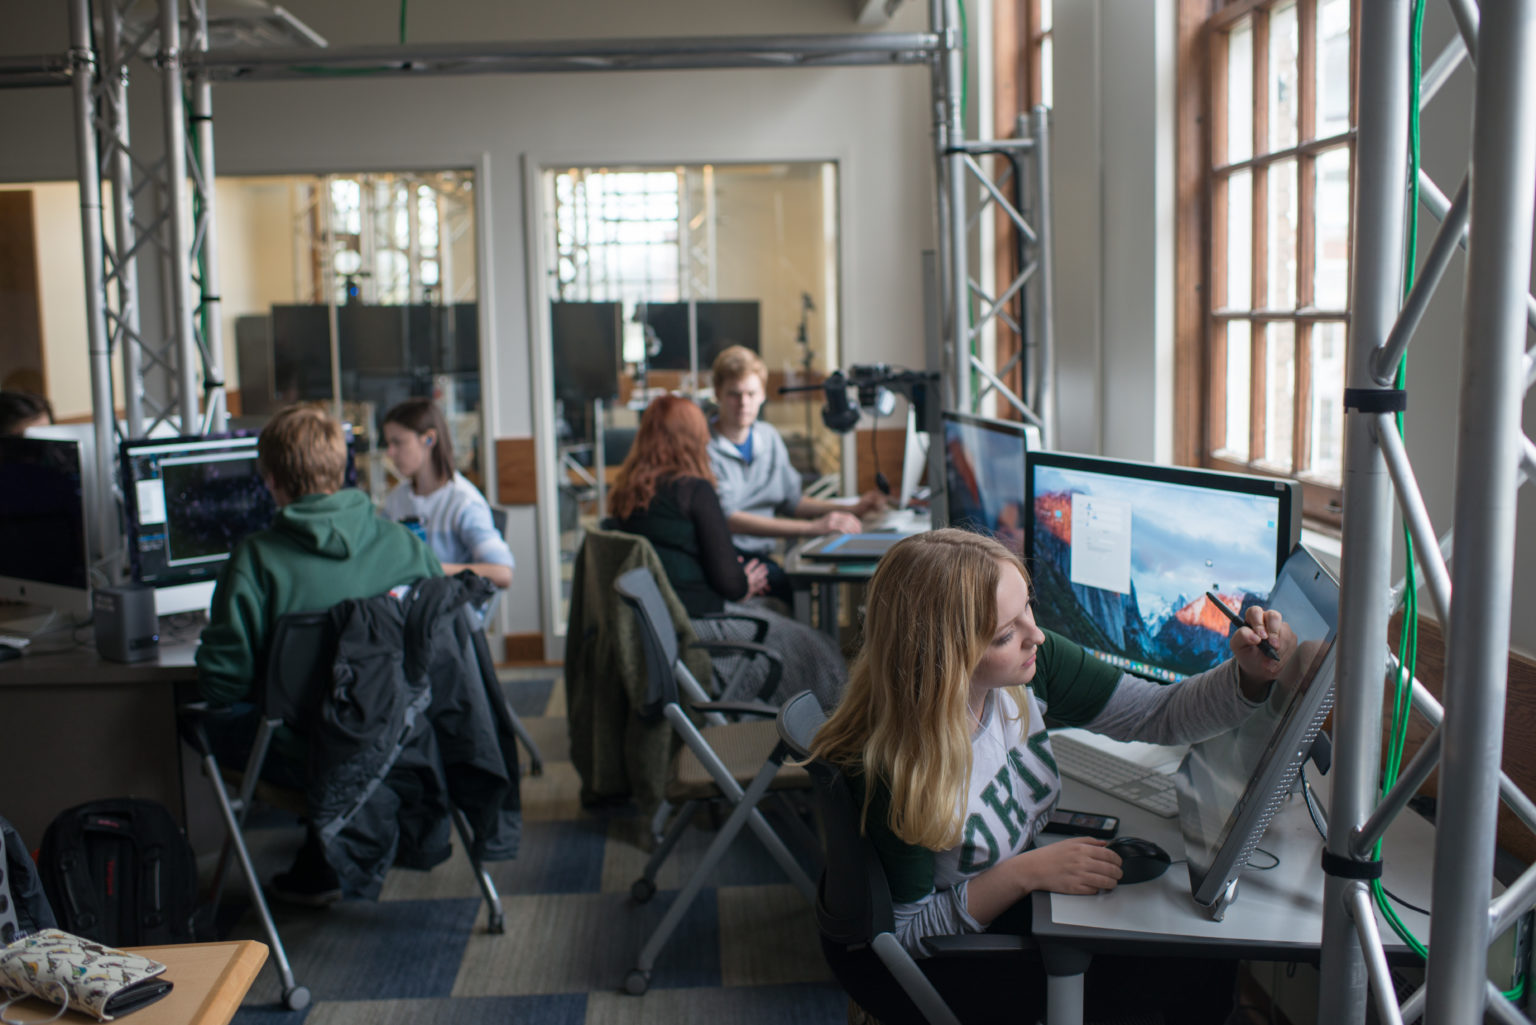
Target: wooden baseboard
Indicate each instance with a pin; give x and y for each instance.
(525, 650)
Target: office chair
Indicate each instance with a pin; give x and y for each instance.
(853, 903)
(736, 761)
(300, 657)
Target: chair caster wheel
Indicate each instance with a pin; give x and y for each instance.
(497, 926)
(637, 982)
(642, 890)
(297, 998)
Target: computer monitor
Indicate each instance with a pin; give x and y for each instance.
(984, 477)
(1230, 786)
(1122, 553)
(44, 554)
(189, 501)
(719, 324)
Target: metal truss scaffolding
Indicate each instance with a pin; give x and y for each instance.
(1490, 216)
(176, 376)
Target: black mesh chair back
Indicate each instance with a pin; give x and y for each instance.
(639, 591)
(299, 659)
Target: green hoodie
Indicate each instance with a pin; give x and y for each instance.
(320, 550)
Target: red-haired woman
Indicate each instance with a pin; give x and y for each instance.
(665, 492)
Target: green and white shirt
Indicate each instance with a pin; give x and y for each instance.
(1014, 781)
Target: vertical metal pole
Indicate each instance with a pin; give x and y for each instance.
(213, 324)
(83, 66)
(1498, 274)
(1380, 188)
(953, 161)
(600, 455)
(120, 169)
(179, 316)
(1045, 234)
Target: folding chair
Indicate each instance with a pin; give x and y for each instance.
(853, 902)
(736, 761)
(299, 662)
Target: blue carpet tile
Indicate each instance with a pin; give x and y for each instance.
(745, 952)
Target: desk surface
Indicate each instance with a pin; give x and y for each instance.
(210, 981)
(1278, 913)
(82, 665)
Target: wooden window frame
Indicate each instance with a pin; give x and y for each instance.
(1201, 314)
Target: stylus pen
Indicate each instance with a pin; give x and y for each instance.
(1267, 648)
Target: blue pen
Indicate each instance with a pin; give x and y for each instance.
(1264, 646)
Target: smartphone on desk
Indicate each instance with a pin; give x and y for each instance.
(1067, 822)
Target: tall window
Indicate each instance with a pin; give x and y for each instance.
(1281, 123)
(616, 235)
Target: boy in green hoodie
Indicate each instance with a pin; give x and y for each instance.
(325, 546)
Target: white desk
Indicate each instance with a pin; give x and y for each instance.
(1278, 914)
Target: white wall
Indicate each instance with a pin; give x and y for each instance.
(1113, 176)
(874, 122)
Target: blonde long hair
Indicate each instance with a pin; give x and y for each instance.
(905, 720)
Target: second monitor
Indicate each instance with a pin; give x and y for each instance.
(1122, 553)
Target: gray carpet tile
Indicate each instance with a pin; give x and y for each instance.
(745, 952)
(585, 942)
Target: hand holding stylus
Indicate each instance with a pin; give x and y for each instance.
(1267, 648)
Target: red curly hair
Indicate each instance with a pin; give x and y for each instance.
(673, 441)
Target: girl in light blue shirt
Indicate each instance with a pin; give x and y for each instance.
(446, 509)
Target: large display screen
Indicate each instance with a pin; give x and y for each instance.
(1121, 555)
(984, 477)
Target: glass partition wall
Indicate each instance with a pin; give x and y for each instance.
(652, 271)
(358, 290)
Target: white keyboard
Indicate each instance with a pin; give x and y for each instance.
(1119, 777)
(15, 640)
(897, 521)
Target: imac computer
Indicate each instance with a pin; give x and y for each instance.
(44, 552)
(984, 477)
(1230, 786)
(189, 501)
(1121, 554)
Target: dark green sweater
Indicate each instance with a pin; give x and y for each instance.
(321, 549)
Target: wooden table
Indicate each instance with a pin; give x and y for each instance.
(210, 981)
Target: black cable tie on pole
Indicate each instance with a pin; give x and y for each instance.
(206, 298)
(209, 385)
(200, 117)
(1349, 868)
(1375, 400)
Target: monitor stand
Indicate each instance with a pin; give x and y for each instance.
(195, 597)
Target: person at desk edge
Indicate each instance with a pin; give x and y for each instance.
(943, 728)
(665, 493)
(759, 489)
(455, 518)
(326, 545)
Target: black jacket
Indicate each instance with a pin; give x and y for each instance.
(413, 725)
(23, 905)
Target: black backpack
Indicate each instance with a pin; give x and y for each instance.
(120, 872)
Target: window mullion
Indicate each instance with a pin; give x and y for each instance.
(1301, 420)
(1258, 335)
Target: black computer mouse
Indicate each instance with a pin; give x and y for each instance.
(1140, 859)
(8, 652)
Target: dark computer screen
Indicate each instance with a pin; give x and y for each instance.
(984, 477)
(1121, 555)
(189, 502)
(42, 512)
(721, 324)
